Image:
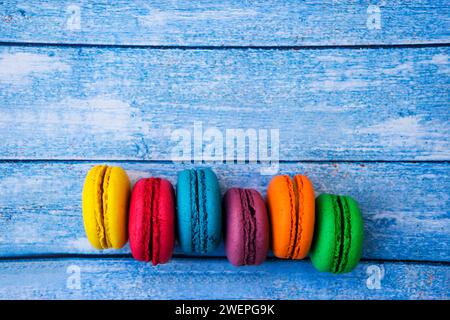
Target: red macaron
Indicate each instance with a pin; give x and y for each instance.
(151, 220)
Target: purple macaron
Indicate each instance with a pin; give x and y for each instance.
(247, 227)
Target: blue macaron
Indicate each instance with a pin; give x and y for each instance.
(199, 220)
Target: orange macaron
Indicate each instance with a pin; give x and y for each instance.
(291, 208)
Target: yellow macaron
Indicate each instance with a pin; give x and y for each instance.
(106, 195)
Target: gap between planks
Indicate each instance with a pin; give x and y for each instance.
(226, 47)
(57, 256)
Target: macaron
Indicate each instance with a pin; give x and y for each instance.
(338, 234)
(105, 199)
(247, 227)
(199, 219)
(291, 207)
(152, 215)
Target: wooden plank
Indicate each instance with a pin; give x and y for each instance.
(226, 22)
(404, 205)
(110, 103)
(216, 279)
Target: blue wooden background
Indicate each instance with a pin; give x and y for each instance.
(358, 89)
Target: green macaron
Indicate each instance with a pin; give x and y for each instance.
(338, 234)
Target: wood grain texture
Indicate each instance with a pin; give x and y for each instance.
(216, 279)
(405, 206)
(110, 103)
(112, 80)
(226, 22)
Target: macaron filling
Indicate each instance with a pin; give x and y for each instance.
(101, 217)
(105, 205)
(347, 241)
(146, 216)
(194, 208)
(203, 214)
(150, 216)
(249, 226)
(295, 197)
(342, 233)
(199, 214)
(154, 244)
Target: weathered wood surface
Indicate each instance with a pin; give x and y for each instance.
(110, 103)
(405, 205)
(226, 22)
(112, 81)
(213, 278)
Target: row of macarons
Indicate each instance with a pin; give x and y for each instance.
(295, 224)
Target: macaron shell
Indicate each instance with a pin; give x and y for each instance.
(152, 233)
(327, 234)
(307, 215)
(357, 235)
(199, 220)
(279, 203)
(235, 239)
(210, 196)
(323, 245)
(184, 222)
(139, 221)
(199, 214)
(292, 213)
(165, 229)
(117, 197)
(92, 205)
(262, 227)
(234, 233)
